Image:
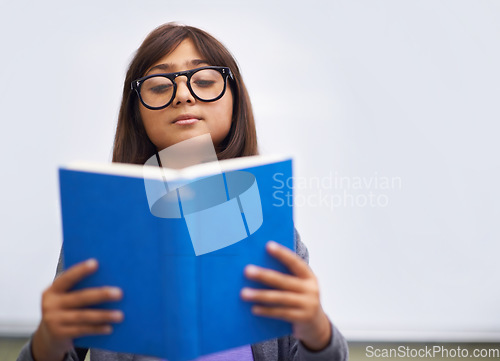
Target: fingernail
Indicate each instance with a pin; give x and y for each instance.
(115, 292)
(91, 263)
(117, 315)
(108, 329)
(272, 245)
(247, 292)
(251, 270)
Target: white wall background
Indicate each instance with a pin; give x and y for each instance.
(358, 91)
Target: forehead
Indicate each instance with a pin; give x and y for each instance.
(184, 57)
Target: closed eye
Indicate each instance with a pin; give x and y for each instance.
(160, 89)
(204, 83)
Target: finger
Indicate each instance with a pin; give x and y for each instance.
(274, 297)
(91, 296)
(294, 263)
(274, 278)
(97, 317)
(86, 330)
(73, 275)
(282, 313)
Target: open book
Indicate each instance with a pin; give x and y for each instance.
(176, 242)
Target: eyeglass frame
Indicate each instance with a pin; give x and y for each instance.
(224, 70)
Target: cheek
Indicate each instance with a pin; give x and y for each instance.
(146, 121)
(151, 123)
(228, 106)
(222, 123)
(226, 114)
(220, 112)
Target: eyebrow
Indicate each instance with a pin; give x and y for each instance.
(166, 66)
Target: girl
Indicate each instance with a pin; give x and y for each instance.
(203, 92)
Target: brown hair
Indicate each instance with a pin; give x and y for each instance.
(132, 144)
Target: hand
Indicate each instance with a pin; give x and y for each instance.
(295, 298)
(65, 316)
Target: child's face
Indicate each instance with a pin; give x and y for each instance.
(213, 117)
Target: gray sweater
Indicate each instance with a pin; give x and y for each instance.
(281, 349)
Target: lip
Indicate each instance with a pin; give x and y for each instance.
(186, 119)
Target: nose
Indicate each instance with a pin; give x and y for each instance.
(182, 94)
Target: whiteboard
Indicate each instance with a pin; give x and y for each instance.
(390, 109)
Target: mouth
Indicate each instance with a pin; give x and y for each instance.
(186, 119)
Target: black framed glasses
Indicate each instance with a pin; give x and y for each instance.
(207, 84)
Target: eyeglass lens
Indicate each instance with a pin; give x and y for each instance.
(206, 84)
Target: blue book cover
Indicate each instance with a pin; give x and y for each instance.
(177, 245)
